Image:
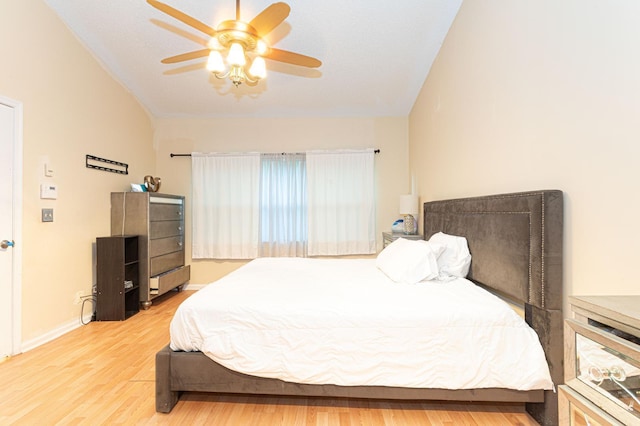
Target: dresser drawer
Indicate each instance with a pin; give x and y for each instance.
(575, 410)
(160, 284)
(605, 369)
(165, 212)
(166, 262)
(161, 246)
(165, 229)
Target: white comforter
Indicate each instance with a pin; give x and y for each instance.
(343, 322)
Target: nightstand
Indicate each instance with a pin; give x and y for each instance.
(602, 362)
(389, 237)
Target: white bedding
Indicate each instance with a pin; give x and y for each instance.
(343, 322)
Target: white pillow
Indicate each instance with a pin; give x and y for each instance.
(406, 261)
(456, 259)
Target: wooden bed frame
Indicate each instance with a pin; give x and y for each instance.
(516, 245)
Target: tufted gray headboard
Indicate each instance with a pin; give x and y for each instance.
(515, 242)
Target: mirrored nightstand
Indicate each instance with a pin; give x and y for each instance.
(389, 237)
(602, 362)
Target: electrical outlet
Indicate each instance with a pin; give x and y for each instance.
(78, 298)
(47, 215)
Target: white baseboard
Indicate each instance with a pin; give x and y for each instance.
(72, 325)
(53, 334)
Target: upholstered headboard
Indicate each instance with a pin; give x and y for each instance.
(515, 242)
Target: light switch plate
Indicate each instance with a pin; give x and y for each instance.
(48, 170)
(48, 191)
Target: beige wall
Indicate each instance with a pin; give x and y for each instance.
(389, 134)
(72, 107)
(531, 95)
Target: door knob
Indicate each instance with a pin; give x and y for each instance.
(6, 244)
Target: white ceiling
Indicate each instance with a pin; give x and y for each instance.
(376, 54)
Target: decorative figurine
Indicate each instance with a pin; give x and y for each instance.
(152, 184)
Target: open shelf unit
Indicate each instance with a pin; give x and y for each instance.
(118, 277)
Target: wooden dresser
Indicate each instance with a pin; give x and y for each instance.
(602, 362)
(158, 220)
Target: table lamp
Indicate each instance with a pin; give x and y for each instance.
(409, 210)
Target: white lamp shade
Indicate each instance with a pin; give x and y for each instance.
(409, 205)
(261, 47)
(214, 44)
(215, 62)
(258, 68)
(236, 55)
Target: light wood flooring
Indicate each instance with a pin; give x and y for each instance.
(103, 373)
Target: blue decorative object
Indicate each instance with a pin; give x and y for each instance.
(398, 226)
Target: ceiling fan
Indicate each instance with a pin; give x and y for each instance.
(242, 42)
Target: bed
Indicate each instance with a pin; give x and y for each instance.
(516, 245)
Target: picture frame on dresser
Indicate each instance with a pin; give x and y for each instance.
(158, 220)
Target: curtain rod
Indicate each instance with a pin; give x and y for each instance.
(375, 151)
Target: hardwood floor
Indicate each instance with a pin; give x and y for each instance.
(103, 373)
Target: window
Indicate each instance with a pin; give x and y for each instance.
(283, 205)
(250, 205)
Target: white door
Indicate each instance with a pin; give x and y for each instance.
(10, 207)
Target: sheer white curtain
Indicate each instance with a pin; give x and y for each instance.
(225, 200)
(283, 205)
(340, 195)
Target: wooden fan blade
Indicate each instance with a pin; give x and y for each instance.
(270, 18)
(180, 16)
(186, 56)
(292, 58)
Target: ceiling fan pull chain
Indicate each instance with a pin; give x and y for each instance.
(237, 10)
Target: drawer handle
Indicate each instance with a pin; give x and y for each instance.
(180, 228)
(179, 212)
(180, 244)
(616, 374)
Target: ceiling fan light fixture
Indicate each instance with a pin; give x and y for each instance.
(234, 39)
(236, 55)
(215, 62)
(258, 68)
(238, 76)
(214, 44)
(261, 47)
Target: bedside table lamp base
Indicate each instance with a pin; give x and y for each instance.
(409, 225)
(409, 209)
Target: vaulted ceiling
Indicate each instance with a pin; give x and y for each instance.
(375, 55)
